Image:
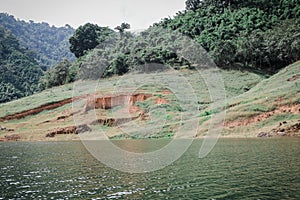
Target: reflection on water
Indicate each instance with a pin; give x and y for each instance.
(235, 169)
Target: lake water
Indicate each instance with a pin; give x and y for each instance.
(235, 169)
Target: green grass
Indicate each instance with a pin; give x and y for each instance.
(107, 85)
(248, 94)
(266, 96)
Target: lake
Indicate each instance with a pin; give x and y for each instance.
(234, 169)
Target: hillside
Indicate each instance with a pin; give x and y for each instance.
(252, 43)
(250, 35)
(271, 108)
(268, 103)
(50, 44)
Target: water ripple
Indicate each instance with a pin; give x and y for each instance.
(235, 169)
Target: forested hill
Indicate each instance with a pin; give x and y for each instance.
(19, 72)
(50, 44)
(262, 34)
(259, 35)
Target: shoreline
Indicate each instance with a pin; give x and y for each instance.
(151, 139)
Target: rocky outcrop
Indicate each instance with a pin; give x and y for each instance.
(286, 130)
(264, 134)
(13, 137)
(283, 129)
(114, 121)
(2, 128)
(293, 78)
(69, 130)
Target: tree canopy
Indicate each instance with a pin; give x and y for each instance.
(87, 37)
(57, 75)
(258, 34)
(19, 72)
(228, 29)
(123, 27)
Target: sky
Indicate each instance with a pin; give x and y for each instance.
(140, 14)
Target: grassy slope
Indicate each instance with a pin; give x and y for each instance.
(262, 97)
(267, 96)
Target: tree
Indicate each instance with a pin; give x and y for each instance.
(61, 71)
(87, 37)
(120, 64)
(122, 27)
(273, 49)
(193, 4)
(57, 75)
(196, 4)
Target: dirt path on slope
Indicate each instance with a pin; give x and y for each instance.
(48, 106)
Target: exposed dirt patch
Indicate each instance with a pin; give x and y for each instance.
(294, 109)
(160, 101)
(126, 112)
(134, 109)
(108, 102)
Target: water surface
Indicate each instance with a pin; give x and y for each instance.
(235, 169)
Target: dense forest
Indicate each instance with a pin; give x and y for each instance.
(19, 72)
(27, 49)
(261, 35)
(49, 43)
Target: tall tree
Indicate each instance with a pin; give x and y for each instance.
(193, 4)
(56, 75)
(123, 27)
(87, 37)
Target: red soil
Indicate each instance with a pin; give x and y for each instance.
(160, 101)
(109, 102)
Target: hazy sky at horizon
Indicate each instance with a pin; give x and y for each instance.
(139, 13)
